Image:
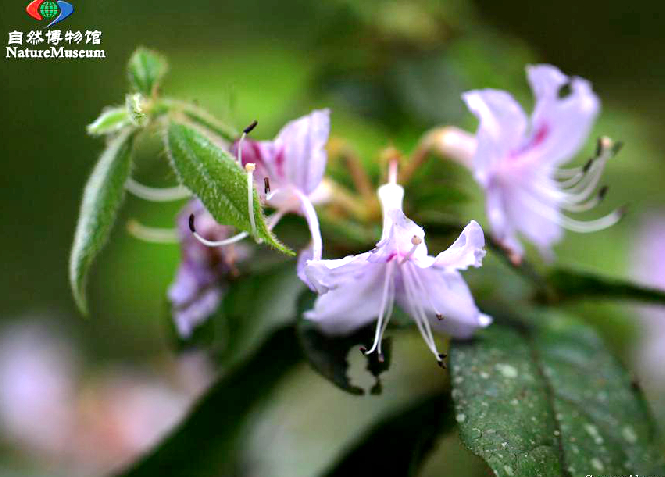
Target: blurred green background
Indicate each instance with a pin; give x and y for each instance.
(389, 70)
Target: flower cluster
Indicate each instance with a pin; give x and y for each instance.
(517, 161)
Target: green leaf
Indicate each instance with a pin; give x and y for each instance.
(328, 354)
(550, 401)
(209, 440)
(110, 121)
(399, 444)
(572, 284)
(146, 70)
(102, 197)
(215, 177)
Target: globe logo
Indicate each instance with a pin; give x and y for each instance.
(49, 10)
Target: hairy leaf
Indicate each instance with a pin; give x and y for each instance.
(399, 444)
(550, 401)
(102, 197)
(208, 441)
(215, 177)
(146, 70)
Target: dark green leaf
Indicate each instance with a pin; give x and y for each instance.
(146, 70)
(571, 284)
(110, 121)
(102, 197)
(208, 442)
(550, 401)
(215, 177)
(399, 444)
(328, 354)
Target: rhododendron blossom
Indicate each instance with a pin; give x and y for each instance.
(356, 289)
(517, 159)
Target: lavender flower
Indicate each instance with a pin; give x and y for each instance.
(358, 288)
(517, 159)
(199, 284)
(289, 169)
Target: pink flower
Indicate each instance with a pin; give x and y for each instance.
(289, 170)
(517, 159)
(203, 272)
(356, 289)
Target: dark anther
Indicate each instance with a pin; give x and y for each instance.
(191, 223)
(602, 192)
(363, 350)
(440, 360)
(249, 128)
(587, 166)
(616, 147)
(266, 185)
(622, 210)
(599, 147)
(439, 316)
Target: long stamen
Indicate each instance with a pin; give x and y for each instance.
(412, 299)
(384, 302)
(154, 194)
(151, 234)
(419, 291)
(271, 222)
(415, 241)
(577, 174)
(245, 132)
(589, 204)
(250, 197)
(420, 316)
(420, 283)
(572, 224)
(389, 313)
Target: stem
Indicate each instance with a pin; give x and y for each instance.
(340, 148)
(200, 117)
(446, 141)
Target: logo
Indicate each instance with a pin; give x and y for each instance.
(49, 10)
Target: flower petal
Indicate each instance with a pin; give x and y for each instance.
(467, 251)
(559, 126)
(354, 299)
(445, 292)
(325, 275)
(502, 227)
(501, 129)
(301, 155)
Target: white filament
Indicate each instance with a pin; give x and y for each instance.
(579, 226)
(250, 198)
(151, 234)
(156, 194)
(220, 243)
(384, 303)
